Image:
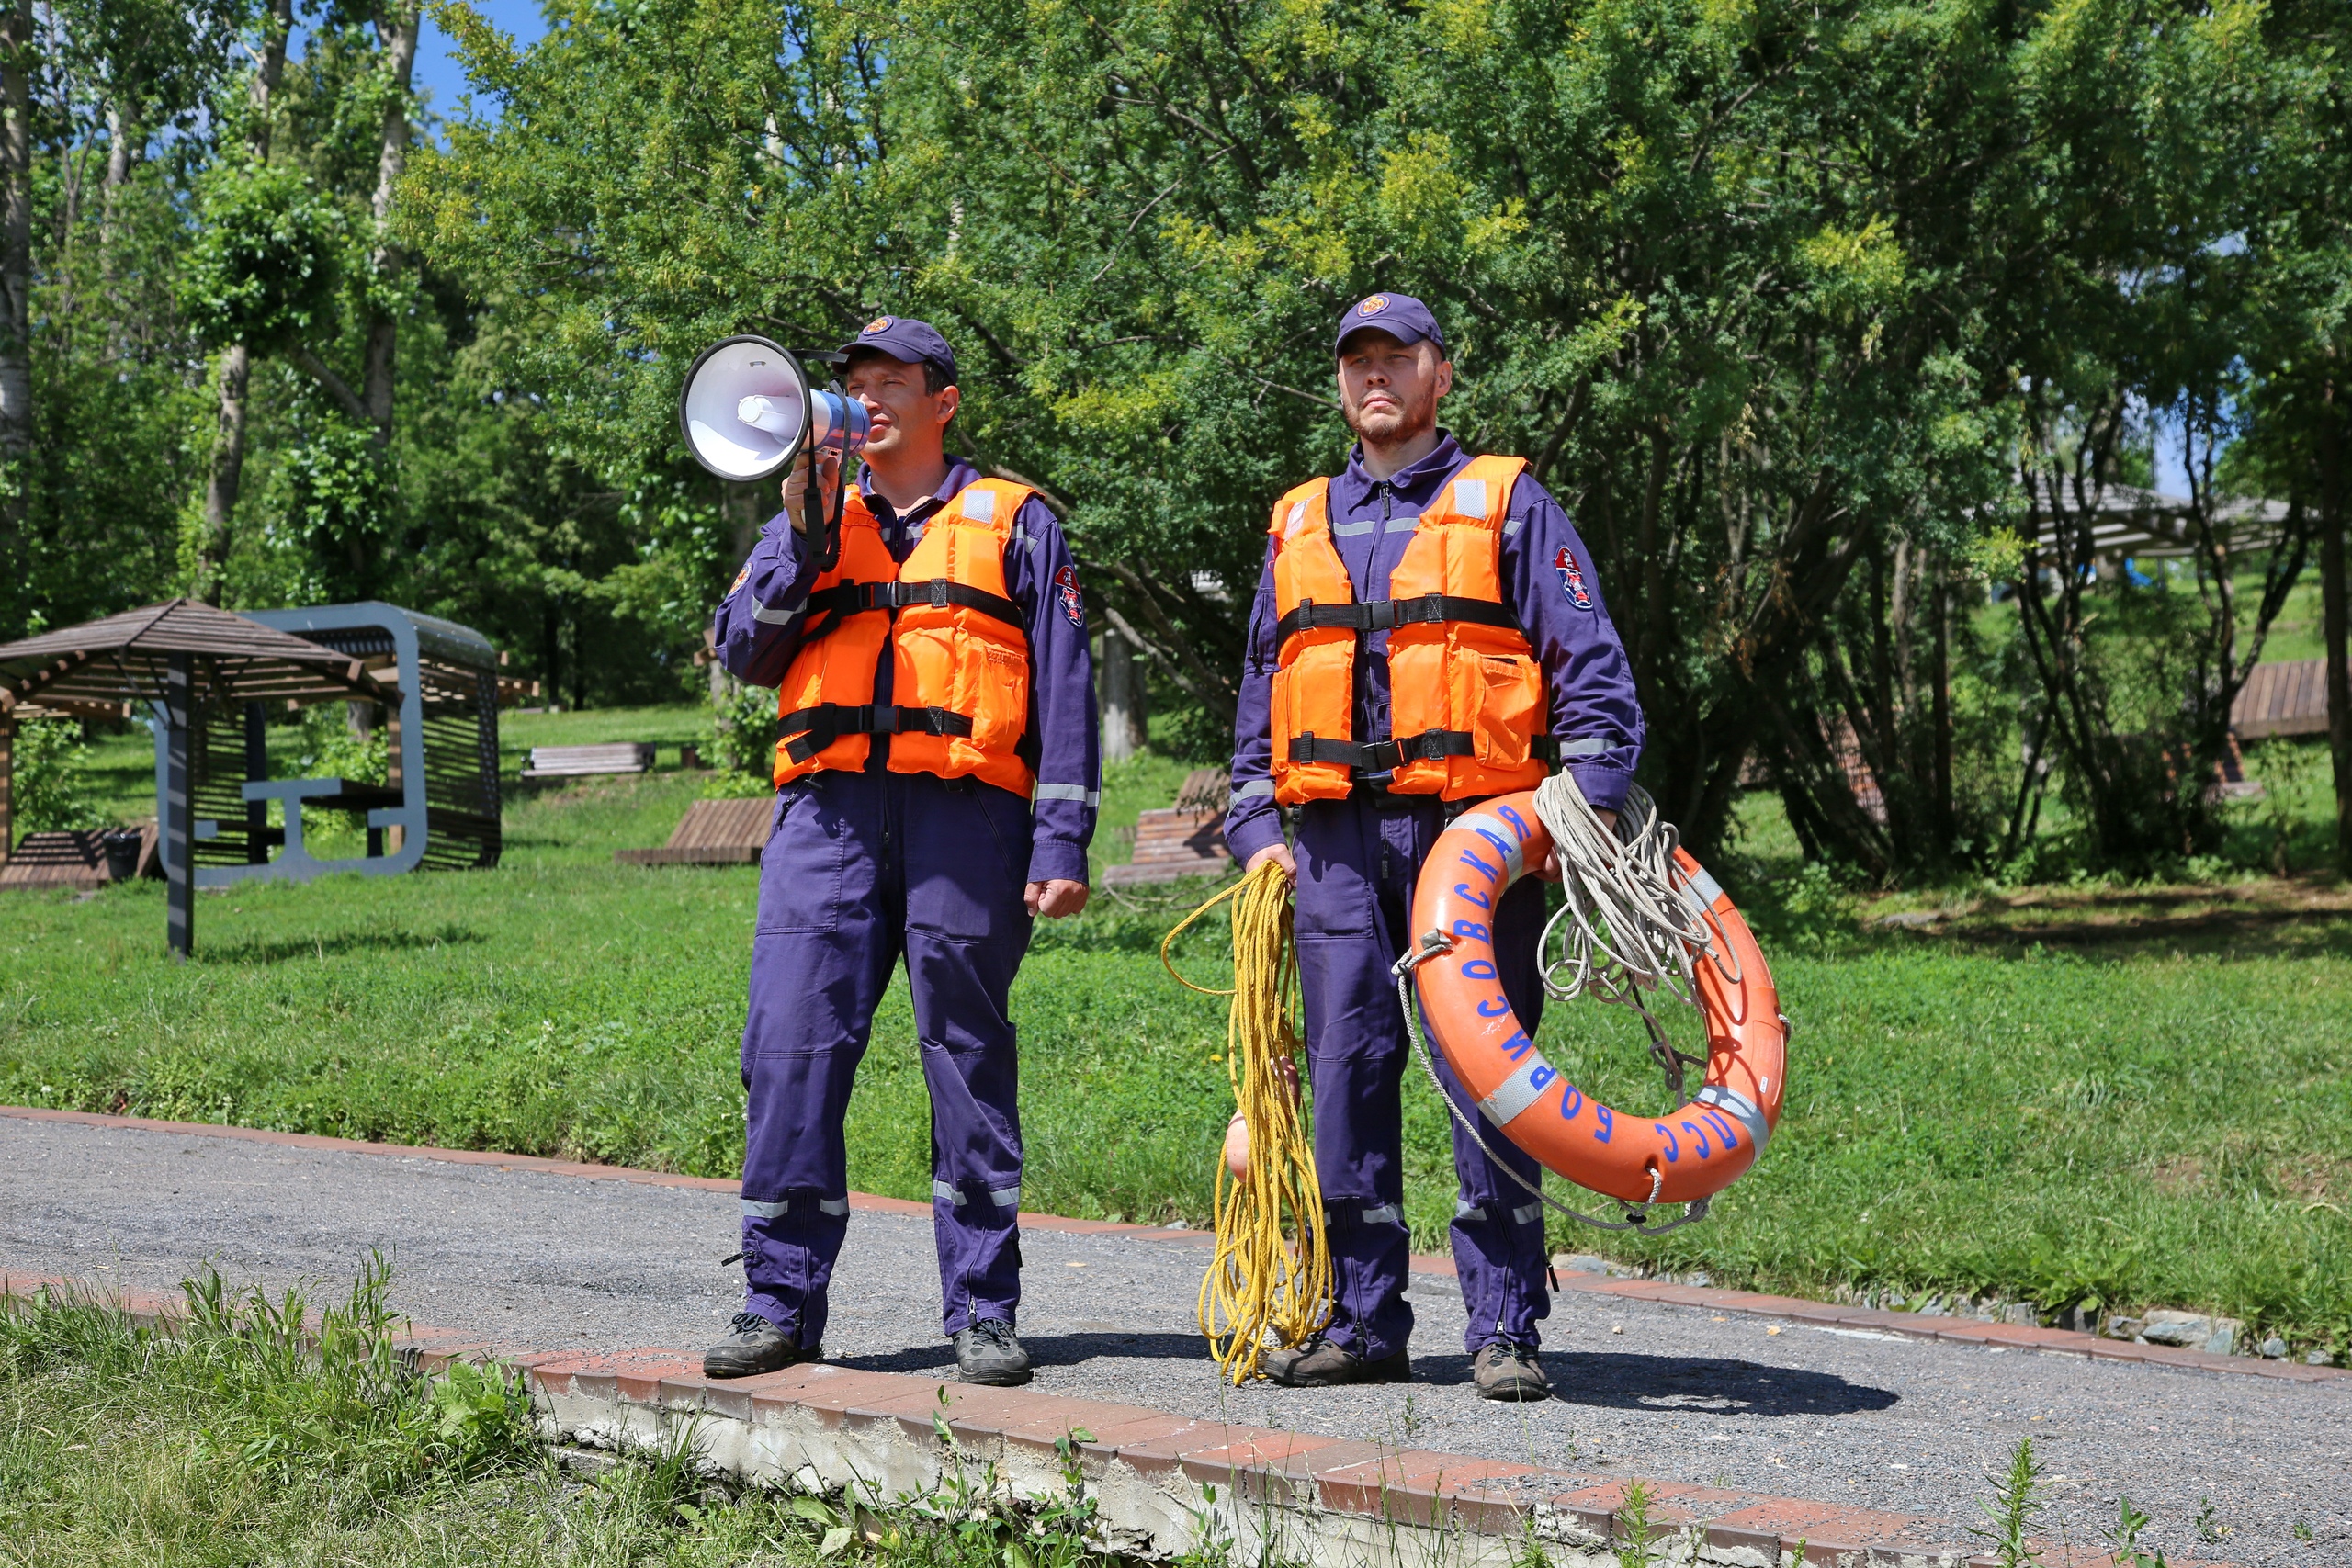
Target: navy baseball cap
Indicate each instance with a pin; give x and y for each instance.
(1402, 316)
(907, 340)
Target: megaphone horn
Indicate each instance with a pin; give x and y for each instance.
(748, 410)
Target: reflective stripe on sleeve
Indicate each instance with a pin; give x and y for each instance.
(1251, 789)
(1079, 793)
(768, 617)
(1590, 745)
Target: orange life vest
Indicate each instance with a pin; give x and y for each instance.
(1466, 698)
(959, 658)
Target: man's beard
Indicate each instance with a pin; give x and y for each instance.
(1412, 418)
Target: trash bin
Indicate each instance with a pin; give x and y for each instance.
(121, 846)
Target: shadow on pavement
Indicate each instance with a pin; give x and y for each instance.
(1617, 1381)
(1045, 1350)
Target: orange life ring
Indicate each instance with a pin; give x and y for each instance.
(1690, 1154)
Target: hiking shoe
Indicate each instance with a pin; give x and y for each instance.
(988, 1353)
(752, 1346)
(1505, 1370)
(1318, 1363)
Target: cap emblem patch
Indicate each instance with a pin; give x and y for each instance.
(1373, 305)
(877, 325)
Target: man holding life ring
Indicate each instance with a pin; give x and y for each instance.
(937, 783)
(1428, 632)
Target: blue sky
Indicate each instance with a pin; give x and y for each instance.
(436, 63)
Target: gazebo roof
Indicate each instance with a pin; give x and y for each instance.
(102, 664)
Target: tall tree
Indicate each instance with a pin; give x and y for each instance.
(226, 481)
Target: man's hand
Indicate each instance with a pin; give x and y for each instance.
(796, 489)
(1280, 854)
(1550, 870)
(1056, 898)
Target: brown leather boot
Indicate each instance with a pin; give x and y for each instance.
(1505, 1370)
(1318, 1363)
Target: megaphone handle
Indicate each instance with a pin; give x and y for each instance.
(831, 555)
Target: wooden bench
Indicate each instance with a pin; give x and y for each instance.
(713, 832)
(74, 859)
(1185, 840)
(587, 761)
(2287, 697)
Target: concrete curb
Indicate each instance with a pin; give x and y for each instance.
(1746, 1303)
(1163, 1483)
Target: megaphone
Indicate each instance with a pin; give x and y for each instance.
(747, 410)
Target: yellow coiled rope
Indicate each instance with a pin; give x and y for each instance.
(1260, 1291)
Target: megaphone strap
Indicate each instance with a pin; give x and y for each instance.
(828, 722)
(855, 598)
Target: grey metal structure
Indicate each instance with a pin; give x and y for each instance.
(438, 807)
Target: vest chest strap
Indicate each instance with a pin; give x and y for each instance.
(1369, 759)
(847, 599)
(828, 722)
(1382, 615)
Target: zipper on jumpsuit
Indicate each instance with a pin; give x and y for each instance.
(1387, 493)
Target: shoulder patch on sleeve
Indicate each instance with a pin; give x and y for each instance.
(742, 578)
(1067, 595)
(1572, 578)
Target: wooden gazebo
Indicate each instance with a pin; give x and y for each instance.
(186, 660)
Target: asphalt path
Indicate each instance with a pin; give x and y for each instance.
(1876, 1421)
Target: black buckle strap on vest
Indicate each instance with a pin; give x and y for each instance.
(847, 599)
(1366, 759)
(828, 722)
(1383, 614)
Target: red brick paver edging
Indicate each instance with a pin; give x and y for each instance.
(1746, 1303)
(1157, 1477)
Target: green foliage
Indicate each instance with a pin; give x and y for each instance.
(267, 261)
(331, 748)
(2011, 1512)
(235, 1436)
(51, 788)
(2123, 1538)
(742, 740)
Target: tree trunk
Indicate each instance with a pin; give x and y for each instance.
(2334, 612)
(227, 477)
(398, 32)
(121, 153)
(16, 269)
(1122, 710)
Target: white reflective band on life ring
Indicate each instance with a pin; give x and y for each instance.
(1750, 1114)
(1497, 833)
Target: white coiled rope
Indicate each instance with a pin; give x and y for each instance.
(1631, 923)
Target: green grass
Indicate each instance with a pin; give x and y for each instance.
(2036, 1098)
(239, 1439)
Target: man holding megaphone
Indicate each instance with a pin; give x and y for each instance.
(937, 783)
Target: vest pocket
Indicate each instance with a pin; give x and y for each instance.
(1510, 706)
(1000, 712)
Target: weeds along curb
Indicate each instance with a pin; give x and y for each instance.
(1160, 1486)
(1747, 1304)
